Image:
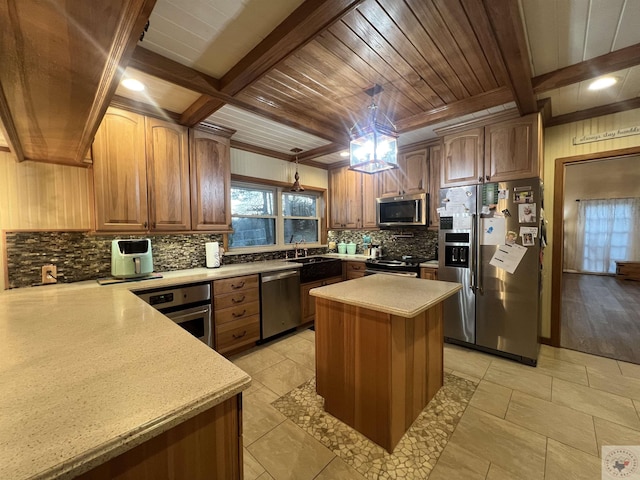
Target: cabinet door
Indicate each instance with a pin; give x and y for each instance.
(119, 173)
(512, 149)
(370, 191)
(168, 175)
(435, 160)
(413, 168)
(210, 165)
(463, 158)
(307, 302)
(345, 188)
(390, 182)
(429, 273)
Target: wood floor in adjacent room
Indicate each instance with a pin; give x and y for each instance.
(601, 316)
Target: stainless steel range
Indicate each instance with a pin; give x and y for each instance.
(408, 266)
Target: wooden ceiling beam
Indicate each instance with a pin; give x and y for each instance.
(282, 156)
(594, 112)
(170, 71)
(330, 148)
(144, 108)
(496, 97)
(303, 25)
(299, 28)
(506, 22)
(608, 63)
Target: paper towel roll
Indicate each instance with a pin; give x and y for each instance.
(212, 250)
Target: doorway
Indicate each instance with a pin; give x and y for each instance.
(592, 310)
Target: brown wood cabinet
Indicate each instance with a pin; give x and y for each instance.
(370, 191)
(167, 175)
(429, 273)
(208, 445)
(507, 150)
(210, 181)
(345, 188)
(119, 173)
(435, 160)
(463, 158)
(236, 306)
(353, 269)
(307, 302)
(411, 176)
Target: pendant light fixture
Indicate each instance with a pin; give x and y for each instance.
(296, 187)
(374, 145)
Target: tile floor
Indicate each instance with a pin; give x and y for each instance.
(522, 423)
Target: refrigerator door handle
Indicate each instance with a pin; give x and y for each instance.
(477, 269)
(473, 253)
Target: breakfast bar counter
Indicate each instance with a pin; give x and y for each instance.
(379, 349)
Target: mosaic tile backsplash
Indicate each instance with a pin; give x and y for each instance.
(82, 256)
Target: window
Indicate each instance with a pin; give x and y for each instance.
(264, 216)
(608, 229)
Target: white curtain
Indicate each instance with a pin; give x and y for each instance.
(607, 230)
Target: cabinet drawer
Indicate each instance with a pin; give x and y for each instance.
(238, 312)
(234, 335)
(235, 284)
(239, 297)
(429, 273)
(355, 270)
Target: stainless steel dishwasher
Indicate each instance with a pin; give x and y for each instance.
(280, 302)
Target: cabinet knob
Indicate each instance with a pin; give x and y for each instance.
(145, 224)
(488, 177)
(480, 179)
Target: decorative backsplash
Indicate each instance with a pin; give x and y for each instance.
(82, 256)
(395, 243)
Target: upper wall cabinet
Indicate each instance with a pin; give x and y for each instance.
(167, 175)
(119, 173)
(210, 182)
(345, 188)
(410, 177)
(435, 161)
(507, 150)
(149, 176)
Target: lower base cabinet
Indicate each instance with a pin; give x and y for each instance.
(236, 310)
(429, 273)
(307, 302)
(353, 269)
(208, 445)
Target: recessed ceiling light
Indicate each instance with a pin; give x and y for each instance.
(603, 82)
(345, 153)
(133, 84)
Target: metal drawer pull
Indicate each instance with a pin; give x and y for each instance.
(238, 301)
(233, 285)
(239, 336)
(236, 315)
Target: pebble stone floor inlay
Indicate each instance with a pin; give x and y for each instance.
(418, 450)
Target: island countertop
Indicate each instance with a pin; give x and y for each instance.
(394, 294)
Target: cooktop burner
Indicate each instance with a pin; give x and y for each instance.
(405, 263)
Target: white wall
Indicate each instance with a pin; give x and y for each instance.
(260, 166)
(558, 143)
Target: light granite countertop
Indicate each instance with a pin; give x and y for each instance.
(90, 371)
(397, 295)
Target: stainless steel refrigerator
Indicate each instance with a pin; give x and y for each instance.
(490, 240)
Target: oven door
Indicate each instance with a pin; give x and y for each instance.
(196, 321)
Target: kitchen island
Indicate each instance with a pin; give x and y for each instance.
(379, 351)
(97, 384)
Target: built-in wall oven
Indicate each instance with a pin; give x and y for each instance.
(187, 305)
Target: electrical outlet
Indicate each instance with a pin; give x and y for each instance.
(49, 274)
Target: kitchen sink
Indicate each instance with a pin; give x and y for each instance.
(318, 268)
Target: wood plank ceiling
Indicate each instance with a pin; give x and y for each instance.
(303, 66)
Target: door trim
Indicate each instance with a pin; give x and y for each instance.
(557, 243)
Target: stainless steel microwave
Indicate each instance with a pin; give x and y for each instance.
(403, 211)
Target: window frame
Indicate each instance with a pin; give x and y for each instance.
(279, 188)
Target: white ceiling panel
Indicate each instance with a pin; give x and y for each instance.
(578, 97)
(213, 36)
(158, 93)
(628, 29)
(604, 17)
(263, 132)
